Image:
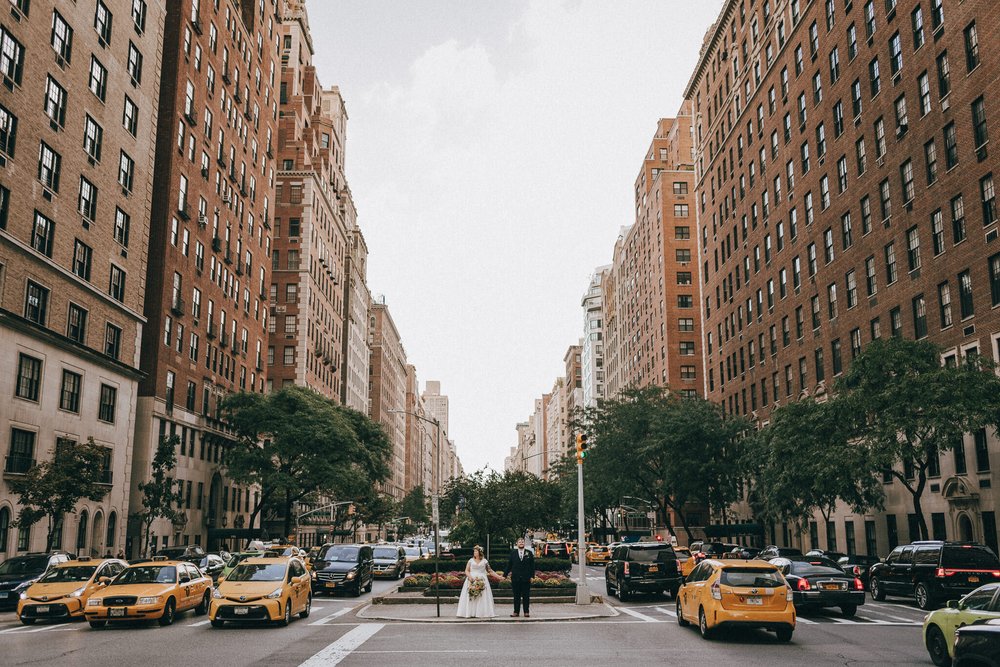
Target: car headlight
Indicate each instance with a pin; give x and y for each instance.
(24, 595)
(94, 602)
(153, 599)
(217, 594)
(275, 594)
(352, 574)
(78, 592)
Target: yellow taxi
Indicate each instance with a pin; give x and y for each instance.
(685, 560)
(156, 589)
(598, 554)
(63, 591)
(745, 593)
(270, 588)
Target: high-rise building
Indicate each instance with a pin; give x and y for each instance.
(309, 231)
(655, 272)
(387, 401)
(845, 192)
(357, 302)
(572, 399)
(436, 402)
(592, 359)
(209, 252)
(75, 191)
(420, 436)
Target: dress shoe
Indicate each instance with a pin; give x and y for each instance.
(527, 615)
(515, 615)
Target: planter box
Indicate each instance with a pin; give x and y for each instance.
(505, 594)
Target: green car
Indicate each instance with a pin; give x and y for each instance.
(238, 558)
(939, 627)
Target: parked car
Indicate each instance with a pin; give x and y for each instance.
(347, 567)
(939, 627)
(859, 566)
(718, 594)
(556, 550)
(772, 551)
(413, 553)
(978, 645)
(818, 582)
(389, 561)
(933, 571)
(63, 591)
(649, 567)
(19, 572)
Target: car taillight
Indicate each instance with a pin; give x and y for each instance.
(941, 572)
(857, 571)
(626, 567)
(996, 573)
(858, 586)
(802, 584)
(716, 591)
(789, 596)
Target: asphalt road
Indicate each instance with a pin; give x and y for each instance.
(646, 630)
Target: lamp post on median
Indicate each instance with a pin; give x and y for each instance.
(436, 478)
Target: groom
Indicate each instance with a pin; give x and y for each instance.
(520, 570)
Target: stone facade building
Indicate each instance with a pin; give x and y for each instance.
(387, 396)
(78, 111)
(592, 354)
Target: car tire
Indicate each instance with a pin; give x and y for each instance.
(305, 612)
(623, 592)
(168, 613)
(287, 618)
(923, 597)
(937, 647)
(202, 608)
(27, 621)
(357, 590)
(680, 616)
(784, 634)
(607, 587)
(706, 632)
(217, 622)
(849, 610)
(97, 625)
(371, 583)
(875, 588)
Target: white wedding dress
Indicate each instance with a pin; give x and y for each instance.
(482, 606)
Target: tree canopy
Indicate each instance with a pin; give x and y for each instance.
(501, 507)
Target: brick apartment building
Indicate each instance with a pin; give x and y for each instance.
(77, 114)
(357, 303)
(210, 251)
(387, 391)
(654, 275)
(845, 193)
(592, 352)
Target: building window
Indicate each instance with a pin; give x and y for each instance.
(919, 316)
(989, 200)
(979, 123)
(87, 205)
(76, 323)
(126, 171)
(966, 306)
(8, 132)
(134, 64)
(885, 199)
(958, 218)
(943, 74)
(42, 234)
(890, 263)
(924, 87)
(49, 166)
(93, 138)
(62, 37)
(828, 245)
(994, 269)
(106, 408)
(930, 158)
(98, 82)
(895, 54)
(289, 358)
(902, 116)
(21, 457)
(69, 397)
(29, 377)
(130, 116)
(11, 57)
(944, 301)
(871, 282)
(686, 348)
(116, 284)
(122, 224)
(971, 47)
(102, 23)
(814, 302)
(680, 210)
(913, 248)
(895, 322)
(82, 255)
(982, 451)
(112, 340)
(852, 289)
(36, 303)
(55, 102)
(831, 295)
(682, 255)
(879, 137)
(874, 77)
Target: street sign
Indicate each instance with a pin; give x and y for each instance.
(434, 510)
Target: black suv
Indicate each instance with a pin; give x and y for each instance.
(344, 567)
(650, 567)
(19, 572)
(933, 571)
(772, 551)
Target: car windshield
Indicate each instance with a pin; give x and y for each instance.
(815, 568)
(24, 565)
(650, 555)
(74, 573)
(969, 557)
(147, 574)
(412, 551)
(340, 553)
(257, 572)
(386, 552)
(718, 548)
(751, 576)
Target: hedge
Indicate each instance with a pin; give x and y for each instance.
(426, 565)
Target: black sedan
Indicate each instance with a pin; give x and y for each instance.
(978, 645)
(859, 566)
(818, 582)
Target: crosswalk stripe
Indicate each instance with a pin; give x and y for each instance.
(336, 614)
(805, 621)
(195, 625)
(642, 617)
(668, 612)
(343, 647)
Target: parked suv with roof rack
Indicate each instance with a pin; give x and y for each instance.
(933, 571)
(642, 566)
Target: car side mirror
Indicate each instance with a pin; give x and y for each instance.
(953, 604)
(221, 579)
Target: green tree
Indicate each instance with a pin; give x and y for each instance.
(906, 408)
(295, 442)
(159, 499)
(415, 505)
(501, 507)
(52, 488)
(376, 509)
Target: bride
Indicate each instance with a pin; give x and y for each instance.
(477, 606)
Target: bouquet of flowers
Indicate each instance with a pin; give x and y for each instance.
(476, 588)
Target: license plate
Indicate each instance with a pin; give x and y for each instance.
(973, 579)
(42, 609)
(241, 611)
(3, 594)
(331, 584)
(116, 611)
(755, 600)
(654, 568)
(831, 587)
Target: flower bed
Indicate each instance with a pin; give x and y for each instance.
(426, 565)
(454, 581)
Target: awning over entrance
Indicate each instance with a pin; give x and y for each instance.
(733, 529)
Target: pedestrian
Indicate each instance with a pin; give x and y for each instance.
(520, 570)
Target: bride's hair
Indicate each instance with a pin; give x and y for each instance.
(479, 549)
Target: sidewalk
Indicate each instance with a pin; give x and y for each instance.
(539, 613)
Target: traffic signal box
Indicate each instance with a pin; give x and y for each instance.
(581, 447)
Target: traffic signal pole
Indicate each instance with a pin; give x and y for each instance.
(582, 591)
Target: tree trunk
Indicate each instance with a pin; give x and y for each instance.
(288, 514)
(917, 509)
(48, 537)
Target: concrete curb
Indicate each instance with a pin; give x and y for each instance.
(377, 613)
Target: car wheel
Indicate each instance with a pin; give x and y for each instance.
(27, 621)
(305, 612)
(287, 618)
(97, 625)
(680, 616)
(217, 622)
(875, 588)
(357, 590)
(784, 634)
(937, 647)
(849, 610)
(607, 587)
(706, 632)
(923, 597)
(371, 582)
(623, 592)
(202, 608)
(168, 613)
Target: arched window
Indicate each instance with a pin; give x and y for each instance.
(81, 533)
(4, 528)
(109, 543)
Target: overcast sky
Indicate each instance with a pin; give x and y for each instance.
(492, 150)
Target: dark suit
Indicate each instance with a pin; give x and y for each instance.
(521, 570)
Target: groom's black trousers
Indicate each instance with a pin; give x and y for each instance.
(522, 595)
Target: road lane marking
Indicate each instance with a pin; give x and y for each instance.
(438, 651)
(343, 647)
(805, 620)
(336, 614)
(642, 617)
(195, 625)
(668, 612)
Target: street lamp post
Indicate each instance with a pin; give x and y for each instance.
(434, 499)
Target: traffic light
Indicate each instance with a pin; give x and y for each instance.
(581, 447)
(350, 510)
